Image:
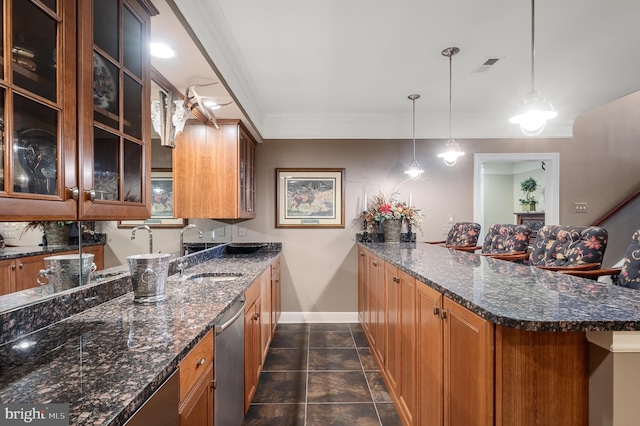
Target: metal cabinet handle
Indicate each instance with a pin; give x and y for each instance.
(90, 195)
(13, 267)
(256, 316)
(202, 361)
(374, 263)
(443, 314)
(436, 310)
(21, 266)
(74, 193)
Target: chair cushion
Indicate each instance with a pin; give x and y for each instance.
(505, 238)
(562, 245)
(463, 234)
(630, 272)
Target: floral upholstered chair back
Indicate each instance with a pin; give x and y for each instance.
(463, 234)
(506, 238)
(630, 272)
(562, 245)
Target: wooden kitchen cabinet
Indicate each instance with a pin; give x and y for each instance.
(252, 342)
(38, 89)
(77, 110)
(265, 313)
(276, 294)
(400, 346)
(468, 366)
(197, 384)
(214, 172)
(22, 273)
(376, 306)
(114, 109)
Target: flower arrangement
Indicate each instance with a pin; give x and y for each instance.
(380, 209)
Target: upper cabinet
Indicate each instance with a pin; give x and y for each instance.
(37, 103)
(114, 109)
(214, 172)
(74, 103)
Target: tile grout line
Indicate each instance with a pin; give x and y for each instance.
(366, 379)
(306, 392)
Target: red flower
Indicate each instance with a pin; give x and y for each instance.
(385, 209)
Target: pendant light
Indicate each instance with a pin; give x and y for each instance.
(535, 110)
(414, 171)
(452, 150)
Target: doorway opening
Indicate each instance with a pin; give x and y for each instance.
(496, 182)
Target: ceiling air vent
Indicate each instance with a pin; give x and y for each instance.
(488, 64)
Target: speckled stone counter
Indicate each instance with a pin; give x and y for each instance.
(513, 295)
(107, 360)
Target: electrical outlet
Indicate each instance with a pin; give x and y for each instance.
(580, 207)
(242, 231)
(446, 229)
(220, 231)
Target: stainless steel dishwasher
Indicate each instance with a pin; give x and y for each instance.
(228, 367)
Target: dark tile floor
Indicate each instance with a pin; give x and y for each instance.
(320, 375)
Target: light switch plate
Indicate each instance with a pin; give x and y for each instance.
(580, 207)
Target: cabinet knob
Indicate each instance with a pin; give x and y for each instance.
(90, 195)
(21, 266)
(202, 361)
(13, 267)
(374, 263)
(256, 316)
(443, 314)
(436, 310)
(74, 193)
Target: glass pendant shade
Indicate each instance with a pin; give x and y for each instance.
(452, 150)
(535, 111)
(534, 114)
(414, 171)
(451, 154)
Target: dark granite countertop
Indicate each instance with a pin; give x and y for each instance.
(107, 360)
(514, 295)
(26, 251)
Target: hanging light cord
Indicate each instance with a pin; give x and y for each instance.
(450, 86)
(533, 43)
(414, 128)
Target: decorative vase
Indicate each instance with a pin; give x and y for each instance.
(56, 234)
(391, 230)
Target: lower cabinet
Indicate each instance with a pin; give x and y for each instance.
(261, 313)
(197, 384)
(22, 273)
(446, 365)
(197, 409)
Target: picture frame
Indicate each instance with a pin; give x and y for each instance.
(161, 203)
(310, 197)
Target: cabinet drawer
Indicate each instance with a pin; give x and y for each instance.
(195, 364)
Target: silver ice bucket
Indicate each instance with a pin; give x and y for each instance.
(148, 276)
(63, 271)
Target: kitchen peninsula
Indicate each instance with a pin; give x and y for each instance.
(108, 360)
(467, 339)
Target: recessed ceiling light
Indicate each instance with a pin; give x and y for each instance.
(160, 50)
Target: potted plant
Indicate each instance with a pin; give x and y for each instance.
(56, 232)
(528, 186)
(390, 214)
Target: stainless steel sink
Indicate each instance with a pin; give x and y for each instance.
(212, 276)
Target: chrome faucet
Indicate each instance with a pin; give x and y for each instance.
(133, 235)
(181, 263)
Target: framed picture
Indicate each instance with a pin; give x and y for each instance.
(161, 203)
(309, 198)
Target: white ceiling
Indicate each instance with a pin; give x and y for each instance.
(344, 68)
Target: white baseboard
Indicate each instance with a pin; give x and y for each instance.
(314, 317)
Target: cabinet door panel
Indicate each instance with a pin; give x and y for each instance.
(197, 409)
(468, 367)
(430, 360)
(7, 276)
(407, 344)
(392, 326)
(27, 269)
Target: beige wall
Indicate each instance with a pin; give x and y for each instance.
(599, 166)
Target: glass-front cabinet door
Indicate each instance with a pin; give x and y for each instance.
(37, 110)
(114, 125)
